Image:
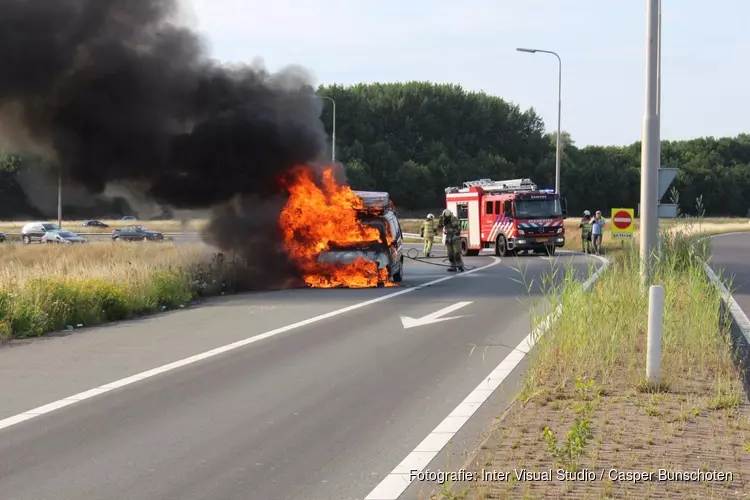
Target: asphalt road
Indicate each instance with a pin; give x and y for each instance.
(729, 259)
(324, 409)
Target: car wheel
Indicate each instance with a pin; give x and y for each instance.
(26, 240)
(399, 276)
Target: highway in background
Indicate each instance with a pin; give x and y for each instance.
(327, 396)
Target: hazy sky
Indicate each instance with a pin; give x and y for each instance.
(705, 53)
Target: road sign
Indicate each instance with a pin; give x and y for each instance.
(665, 210)
(435, 317)
(666, 176)
(622, 223)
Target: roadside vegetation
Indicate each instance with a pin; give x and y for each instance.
(586, 406)
(46, 288)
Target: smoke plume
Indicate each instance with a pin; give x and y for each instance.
(114, 91)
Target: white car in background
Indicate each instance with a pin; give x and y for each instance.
(62, 236)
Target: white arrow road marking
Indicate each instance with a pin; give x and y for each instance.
(433, 317)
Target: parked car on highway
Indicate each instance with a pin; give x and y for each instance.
(2, 237)
(34, 231)
(135, 233)
(62, 236)
(94, 223)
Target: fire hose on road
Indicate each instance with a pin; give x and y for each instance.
(426, 260)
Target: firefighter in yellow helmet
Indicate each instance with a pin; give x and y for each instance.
(452, 227)
(427, 231)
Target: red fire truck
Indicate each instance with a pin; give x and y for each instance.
(510, 216)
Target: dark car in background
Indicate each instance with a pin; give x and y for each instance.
(94, 223)
(62, 236)
(2, 237)
(34, 231)
(136, 233)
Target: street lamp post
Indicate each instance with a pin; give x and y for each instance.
(559, 109)
(59, 197)
(333, 131)
(650, 150)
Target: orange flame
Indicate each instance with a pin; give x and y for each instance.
(315, 220)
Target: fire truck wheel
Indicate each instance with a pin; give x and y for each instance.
(501, 247)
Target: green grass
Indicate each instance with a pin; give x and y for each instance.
(601, 334)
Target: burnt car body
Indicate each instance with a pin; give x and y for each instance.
(388, 251)
(136, 233)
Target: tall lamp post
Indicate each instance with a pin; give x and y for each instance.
(333, 131)
(59, 197)
(650, 151)
(559, 109)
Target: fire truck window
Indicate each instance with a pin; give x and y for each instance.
(507, 211)
(497, 207)
(463, 211)
(488, 208)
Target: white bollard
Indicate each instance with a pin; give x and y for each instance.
(655, 322)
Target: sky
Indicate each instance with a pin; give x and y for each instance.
(705, 54)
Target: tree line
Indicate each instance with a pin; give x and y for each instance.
(415, 139)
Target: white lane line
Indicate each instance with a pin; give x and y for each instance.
(55, 405)
(399, 479)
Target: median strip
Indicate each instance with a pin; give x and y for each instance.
(588, 422)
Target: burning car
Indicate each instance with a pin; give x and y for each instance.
(338, 237)
(387, 251)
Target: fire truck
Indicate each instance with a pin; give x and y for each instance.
(511, 216)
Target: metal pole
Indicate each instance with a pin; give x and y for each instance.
(333, 130)
(655, 323)
(559, 111)
(59, 197)
(559, 130)
(650, 148)
(658, 110)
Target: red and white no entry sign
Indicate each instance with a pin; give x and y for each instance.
(622, 219)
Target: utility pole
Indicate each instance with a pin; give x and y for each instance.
(559, 109)
(650, 147)
(333, 131)
(59, 197)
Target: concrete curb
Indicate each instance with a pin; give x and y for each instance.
(732, 315)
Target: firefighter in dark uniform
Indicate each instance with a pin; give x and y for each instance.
(452, 227)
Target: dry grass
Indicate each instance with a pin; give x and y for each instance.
(48, 287)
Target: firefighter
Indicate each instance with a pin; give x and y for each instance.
(427, 231)
(452, 239)
(585, 227)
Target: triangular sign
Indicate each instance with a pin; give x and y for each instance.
(666, 176)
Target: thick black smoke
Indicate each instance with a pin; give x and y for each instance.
(113, 91)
